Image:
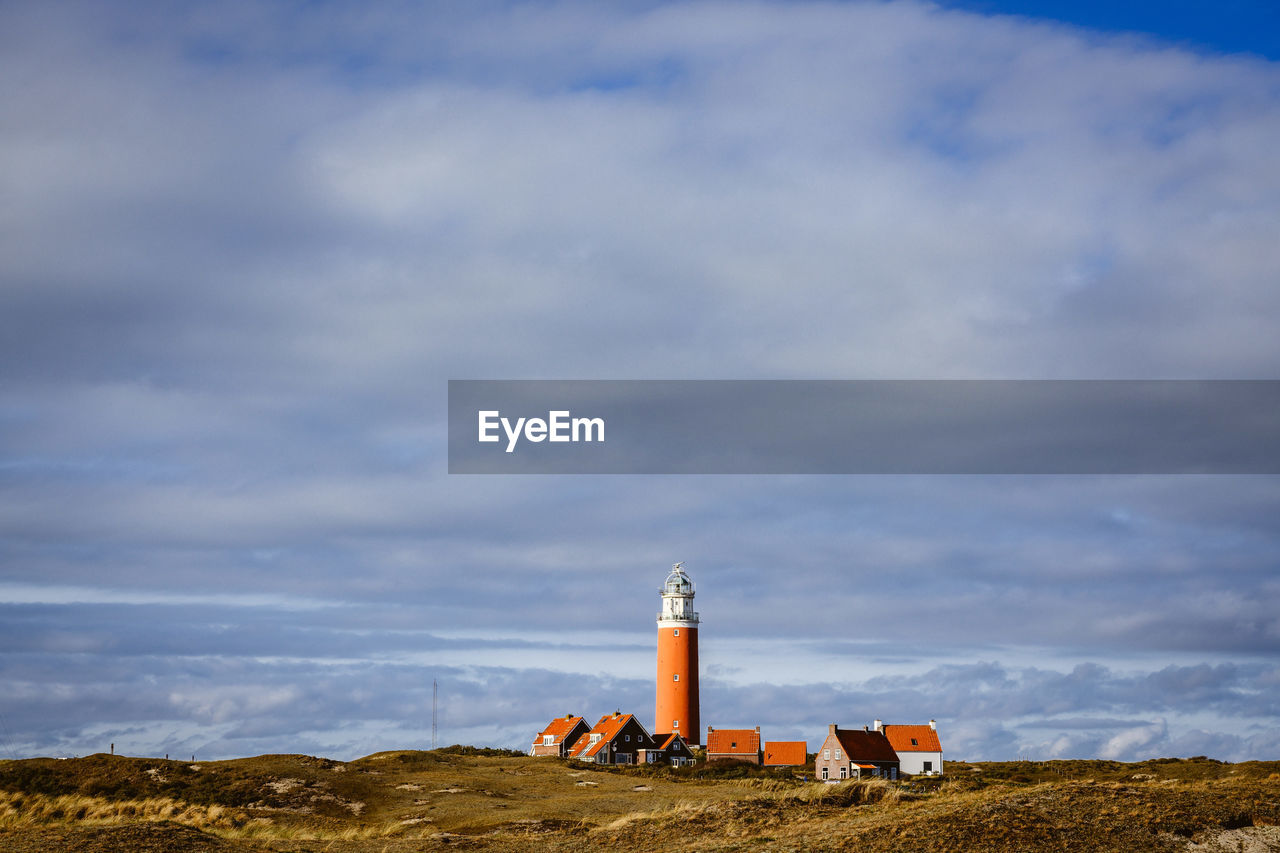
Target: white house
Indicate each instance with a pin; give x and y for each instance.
(919, 750)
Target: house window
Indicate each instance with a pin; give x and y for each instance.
(837, 754)
(844, 771)
(913, 742)
(928, 767)
(826, 754)
(675, 724)
(548, 740)
(628, 738)
(676, 632)
(675, 677)
(824, 774)
(733, 744)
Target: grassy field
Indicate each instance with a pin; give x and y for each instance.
(484, 799)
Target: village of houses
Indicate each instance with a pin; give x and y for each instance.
(878, 750)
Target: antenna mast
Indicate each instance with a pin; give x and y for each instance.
(433, 713)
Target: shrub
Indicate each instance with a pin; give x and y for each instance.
(488, 751)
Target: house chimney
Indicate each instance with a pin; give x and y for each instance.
(878, 725)
(864, 728)
(933, 724)
(757, 729)
(832, 729)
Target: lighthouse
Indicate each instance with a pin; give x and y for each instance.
(676, 702)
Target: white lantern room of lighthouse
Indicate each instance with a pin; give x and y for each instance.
(677, 598)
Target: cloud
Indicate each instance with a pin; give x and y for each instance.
(228, 704)
(393, 221)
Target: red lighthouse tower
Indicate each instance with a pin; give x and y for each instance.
(676, 704)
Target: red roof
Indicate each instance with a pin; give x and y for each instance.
(861, 745)
(733, 741)
(913, 738)
(589, 744)
(786, 753)
(590, 749)
(559, 728)
(580, 743)
(664, 740)
(609, 727)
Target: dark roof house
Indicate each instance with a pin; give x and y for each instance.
(670, 749)
(854, 753)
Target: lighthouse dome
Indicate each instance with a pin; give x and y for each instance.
(678, 582)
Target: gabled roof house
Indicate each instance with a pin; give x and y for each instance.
(785, 753)
(918, 747)
(854, 753)
(671, 749)
(733, 744)
(558, 736)
(615, 739)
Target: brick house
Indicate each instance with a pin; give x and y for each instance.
(733, 744)
(558, 736)
(616, 739)
(918, 747)
(786, 753)
(854, 753)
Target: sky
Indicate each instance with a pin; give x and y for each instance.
(244, 247)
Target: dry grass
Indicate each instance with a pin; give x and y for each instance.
(19, 809)
(851, 793)
(405, 801)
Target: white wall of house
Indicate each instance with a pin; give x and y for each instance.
(914, 762)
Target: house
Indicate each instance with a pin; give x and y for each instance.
(854, 753)
(918, 747)
(733, 744)
(558, 736)
(671, 749)
(616, 739)
(786, 753)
